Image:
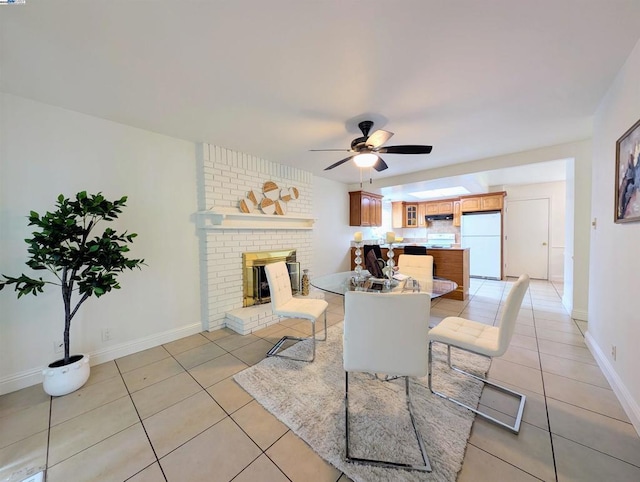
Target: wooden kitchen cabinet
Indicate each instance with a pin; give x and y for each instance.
(365, 209)
(411, 215)
(422, 212)
(482, 202)
(456, 213)
(445, 207)
(470, 204)
(433, 208)
(406, 215)
(397, 214)
(492, 203)
(430, 208)
(375, 209)
(453, 264)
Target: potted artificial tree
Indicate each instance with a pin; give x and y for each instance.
(83, 265)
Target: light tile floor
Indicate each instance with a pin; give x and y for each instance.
(174, 412)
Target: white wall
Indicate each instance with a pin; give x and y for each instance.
(46, 151)
(614, 317)
(332, 234)
(580, 185)
(555, 193)
(569, 241)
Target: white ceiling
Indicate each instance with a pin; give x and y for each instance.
(276, 78)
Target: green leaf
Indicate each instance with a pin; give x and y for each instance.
(61, 244)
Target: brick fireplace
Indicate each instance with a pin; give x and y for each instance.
(226, 233)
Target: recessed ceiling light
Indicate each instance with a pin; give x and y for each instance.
(442, 192)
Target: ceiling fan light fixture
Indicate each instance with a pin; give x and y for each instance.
(366, 159)
(364, 150)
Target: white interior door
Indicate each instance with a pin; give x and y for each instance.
(527, 238)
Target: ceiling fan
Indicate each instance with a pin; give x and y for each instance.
(366, 149)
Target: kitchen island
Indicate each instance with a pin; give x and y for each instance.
(449, 263)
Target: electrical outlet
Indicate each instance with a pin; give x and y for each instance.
(613, 352)
(106, 334)
(58, 346)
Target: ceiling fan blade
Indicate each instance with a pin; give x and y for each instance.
(380, 165)
(412, 149)
(329, 150)
(378, 138)
(338, 163)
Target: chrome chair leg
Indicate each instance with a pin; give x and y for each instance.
(426, 467)
(276, 348)
(515, 428)
(324, 338)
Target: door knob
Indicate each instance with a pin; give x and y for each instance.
(544, 244)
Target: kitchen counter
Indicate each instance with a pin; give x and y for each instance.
(402, 245)
(449, 263)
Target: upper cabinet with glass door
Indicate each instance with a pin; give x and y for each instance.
(411, 215)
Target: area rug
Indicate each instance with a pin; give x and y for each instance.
(309, 399)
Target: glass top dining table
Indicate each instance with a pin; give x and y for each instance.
(340, 283)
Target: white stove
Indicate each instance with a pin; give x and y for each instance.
(441, 240)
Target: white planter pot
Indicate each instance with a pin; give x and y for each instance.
(60, 380)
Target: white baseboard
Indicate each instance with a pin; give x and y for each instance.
(21, 380)
(124, 349)
(28, 378)
(579, 315)
(630, 406)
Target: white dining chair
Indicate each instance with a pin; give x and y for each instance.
(417, 267)
(285, 305)
(385, 333)
(482, 339)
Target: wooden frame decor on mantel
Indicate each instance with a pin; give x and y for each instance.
(272, 199)
(627, 201)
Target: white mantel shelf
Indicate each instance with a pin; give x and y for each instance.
(231, 218)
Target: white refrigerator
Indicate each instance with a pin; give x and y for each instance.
(482, 233)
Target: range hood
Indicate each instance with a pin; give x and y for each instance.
(437, 217)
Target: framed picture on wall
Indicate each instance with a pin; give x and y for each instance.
(627, 200)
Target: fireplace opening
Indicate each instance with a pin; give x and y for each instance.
(255, 284)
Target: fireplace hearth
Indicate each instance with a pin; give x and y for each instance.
(254, 279)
